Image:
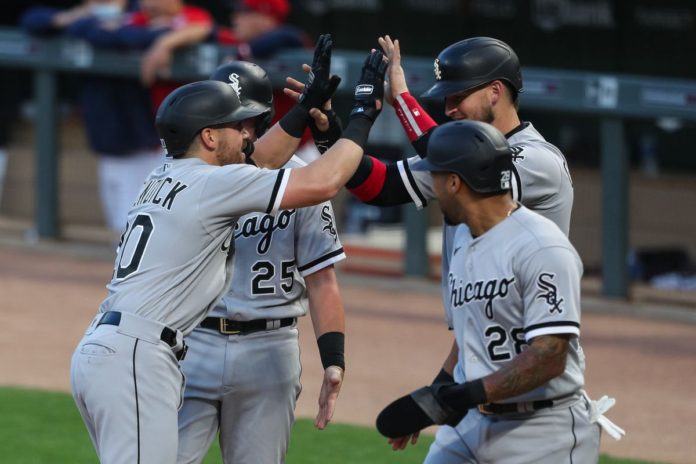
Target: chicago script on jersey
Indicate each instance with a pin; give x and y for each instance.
(489, 290)
(264, 225)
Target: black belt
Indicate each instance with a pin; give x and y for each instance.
(230, 327)
(514, 408)
(168, 335)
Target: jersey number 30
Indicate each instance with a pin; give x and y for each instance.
(125, 267)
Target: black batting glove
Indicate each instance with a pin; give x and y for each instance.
(320, 85)
(324, 140)
(462, 397)
(370, 87)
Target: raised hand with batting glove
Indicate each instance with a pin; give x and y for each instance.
(320, 85)
(369, 92)
(367, 99)
(318, 89)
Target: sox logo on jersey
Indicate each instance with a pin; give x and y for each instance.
(328, 222)
(517, 153)
(550, 292)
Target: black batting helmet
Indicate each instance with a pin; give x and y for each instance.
(193, 107)
(476, 151)
(253, 86)
(473, 62)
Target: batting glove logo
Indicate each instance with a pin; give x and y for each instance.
(364, 89)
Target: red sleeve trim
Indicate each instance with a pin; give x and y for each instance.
(373, 184)
(412, 116)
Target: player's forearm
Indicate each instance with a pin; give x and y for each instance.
(543, 360)
(325, 305)
(415, 120)
(327, 317)
(275, 148)
(323, 178)
(378, 183)
(452, 358)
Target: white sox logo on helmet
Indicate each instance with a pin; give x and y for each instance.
(550, 292)
(234, 83)
(438, 73)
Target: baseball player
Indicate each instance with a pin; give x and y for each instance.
(174, 260)
(243, 367)
(480, 79)
(514, 303)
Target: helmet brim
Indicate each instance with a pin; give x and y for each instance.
(243, 112)
(444, 89)
(424, 165)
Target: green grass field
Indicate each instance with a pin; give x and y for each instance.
(38, 427)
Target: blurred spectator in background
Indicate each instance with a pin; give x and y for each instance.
(171, 24)
(259, 29)
(118, 112)
(258, 32)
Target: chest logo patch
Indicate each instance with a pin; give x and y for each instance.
(517, 153)
(549, 292)
(327, 218)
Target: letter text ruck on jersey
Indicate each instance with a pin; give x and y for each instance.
(152, 192)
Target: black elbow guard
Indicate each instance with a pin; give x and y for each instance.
(421, 144)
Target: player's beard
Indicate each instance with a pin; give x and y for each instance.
(488, 115)
(228, 155)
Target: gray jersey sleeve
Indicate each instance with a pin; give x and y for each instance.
(239, 189)
(317, 243)
(541, 179)
(550, 289)
(419, 184)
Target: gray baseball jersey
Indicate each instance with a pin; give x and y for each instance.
(517, 281)
(226, 391)
(170, 266)
(541, 181)
(173, 264)
(272, 257)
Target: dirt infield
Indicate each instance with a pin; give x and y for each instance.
(396, 342)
